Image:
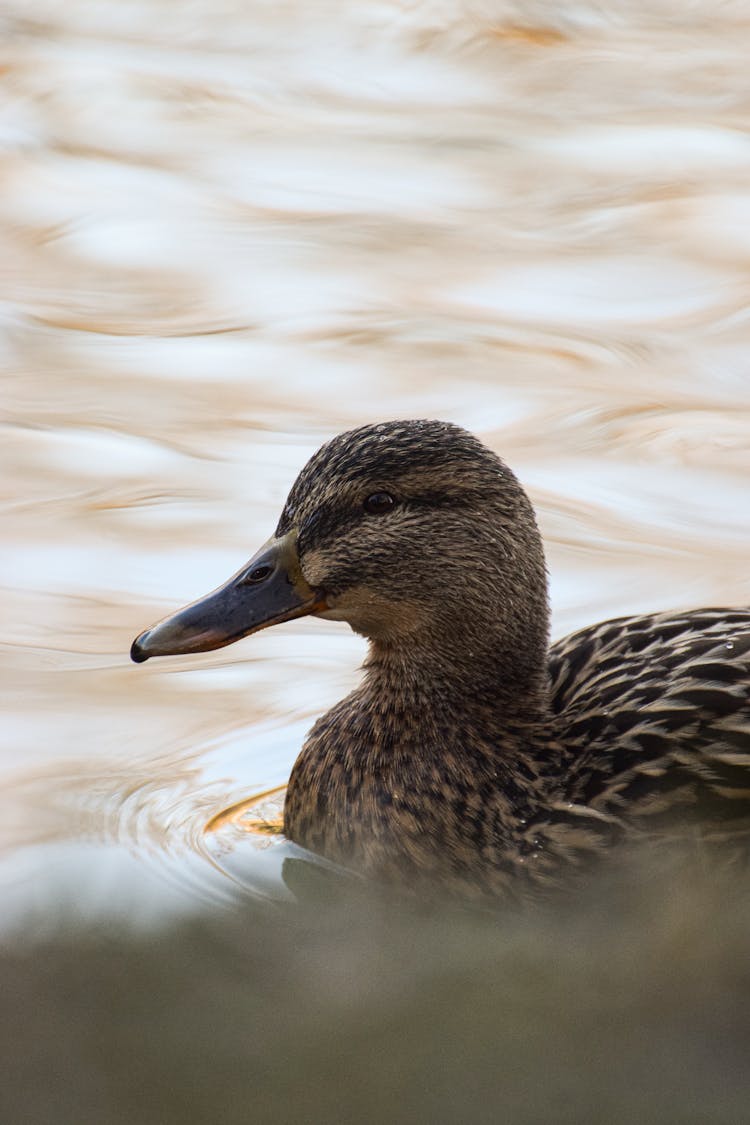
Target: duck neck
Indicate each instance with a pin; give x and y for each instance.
(491, 683)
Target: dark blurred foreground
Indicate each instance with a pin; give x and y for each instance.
(629, 1005)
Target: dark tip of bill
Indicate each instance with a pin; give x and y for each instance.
(137, 653)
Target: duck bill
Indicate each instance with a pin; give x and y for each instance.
(269, 589)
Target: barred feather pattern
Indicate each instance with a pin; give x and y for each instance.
(655, 714)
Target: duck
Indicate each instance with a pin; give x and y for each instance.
(476, 758)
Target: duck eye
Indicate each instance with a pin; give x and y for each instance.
(378, 503)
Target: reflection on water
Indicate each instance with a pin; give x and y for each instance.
(226, 236)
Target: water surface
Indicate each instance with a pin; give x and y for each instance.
(229, 232)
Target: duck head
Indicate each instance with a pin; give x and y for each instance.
(413, 532)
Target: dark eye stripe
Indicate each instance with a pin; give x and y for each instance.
(328, 521)
(325, 524)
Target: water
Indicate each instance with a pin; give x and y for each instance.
(231, 231)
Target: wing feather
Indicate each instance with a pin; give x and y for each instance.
(657, 709)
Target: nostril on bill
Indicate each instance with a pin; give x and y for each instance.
(257, 574)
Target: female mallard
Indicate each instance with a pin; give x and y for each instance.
(473, 754)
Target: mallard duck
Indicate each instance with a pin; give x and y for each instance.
(473, 755)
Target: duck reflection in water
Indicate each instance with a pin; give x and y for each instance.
(474, 758)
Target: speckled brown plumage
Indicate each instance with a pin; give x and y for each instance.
(473, 757)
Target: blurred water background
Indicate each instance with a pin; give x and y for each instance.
(227, 231)
(230, 230)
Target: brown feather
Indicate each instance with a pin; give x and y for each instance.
(473, 757)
